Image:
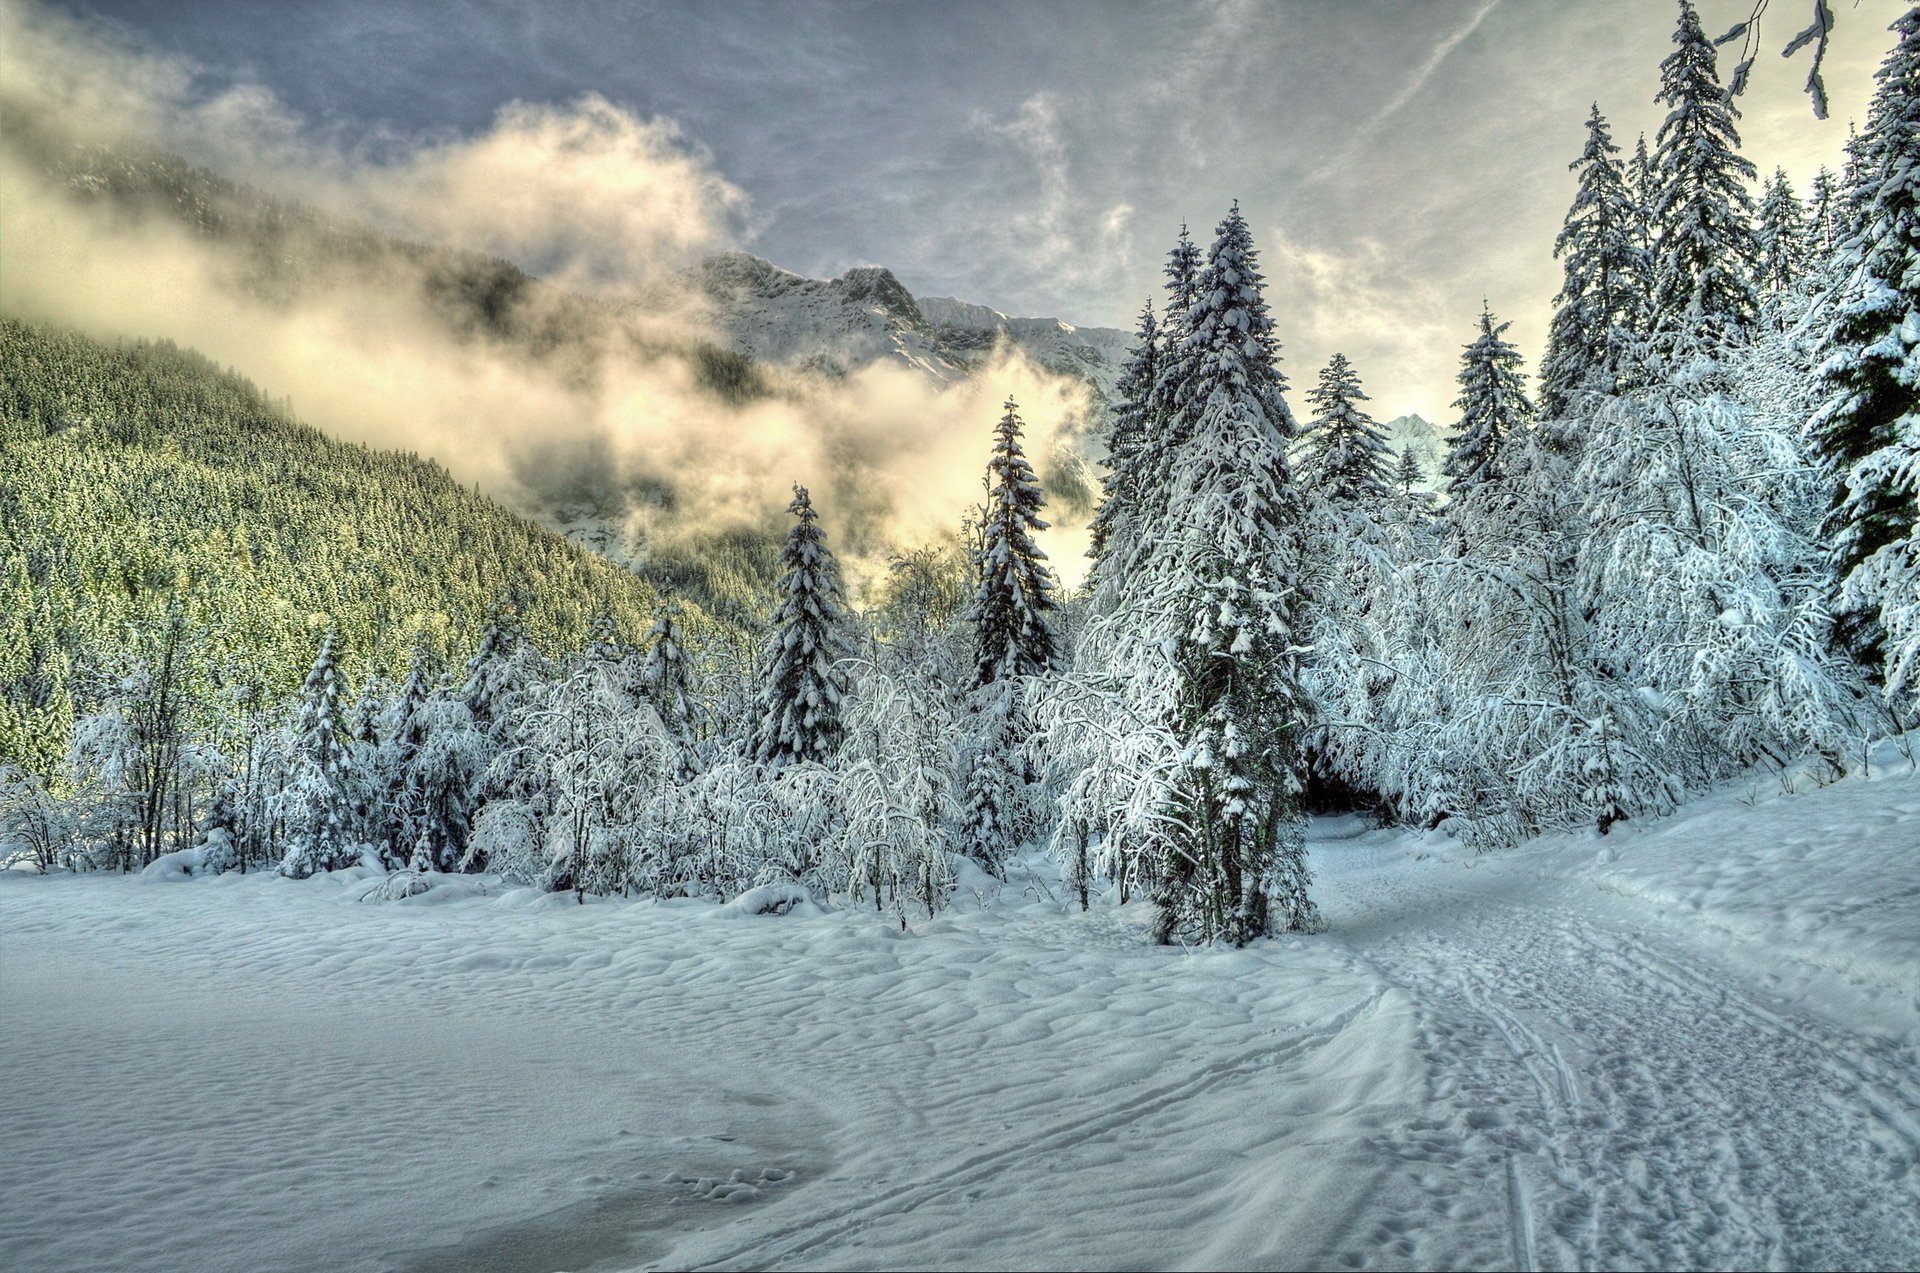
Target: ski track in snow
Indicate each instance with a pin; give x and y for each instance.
(1697, 1050)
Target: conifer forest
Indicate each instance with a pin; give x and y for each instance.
(534, 739)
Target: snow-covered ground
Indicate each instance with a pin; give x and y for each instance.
(1689, 1045)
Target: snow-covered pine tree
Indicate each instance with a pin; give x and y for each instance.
(440, 783)
(315, 803)
(401, 732)
(1643, 186)
(1013, 640)
(1867, 428)
(1604, 279)
(1165, 423)
(1823, 211)
(1780, 240)
(1346, 457)
(800, 707)
(1493, 405)
(1702, 214)
(669, 682)
(1409, 474)
(1014, 595)
(498, 677)
(1130, 438)
(1235, 865)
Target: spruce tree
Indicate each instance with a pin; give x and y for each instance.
(1604, 279)
(1702, 214)
(669, 683)
(1409, 474)
(1130, 438)
(1493, 406)
(801, 697)
(1823, 212)
(1780, 239)
(1867, 428)
(1643, 186)
(1235, 862)
(1013, 639)
(316, 801)
(1015, 591)
(1347, 457)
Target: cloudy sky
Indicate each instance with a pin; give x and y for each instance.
(1398, 160)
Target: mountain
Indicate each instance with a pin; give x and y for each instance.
(143, 490)
(838, 326)
(1428, 447)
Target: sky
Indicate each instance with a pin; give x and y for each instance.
(1398, 161)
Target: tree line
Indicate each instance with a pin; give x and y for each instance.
(1690, 550)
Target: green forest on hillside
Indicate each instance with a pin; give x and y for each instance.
(145, 491)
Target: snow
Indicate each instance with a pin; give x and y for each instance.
(1691, 1044)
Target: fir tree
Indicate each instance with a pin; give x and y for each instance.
(1780, 239)
(1013, 638)
(1410, 473)
(1493, 406)
(801, 698)
(1347, 457)
(669, 683)
(315, 803)
(1643, 187)
(1015, 593)
(1823, 212)
(1129, 438)
(402, 732)
(1604, 264)
(1702, 215)
(1235, 865)
(1867, 428)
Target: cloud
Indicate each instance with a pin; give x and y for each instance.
(584, 193)
(1060, 231)
(599, 405)
(1401, 333)
(1359, 138)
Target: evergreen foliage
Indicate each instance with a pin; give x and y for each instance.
(800, 710)
(315, 803)
(1867, 425)
(1702, 215)
(1591, 340)
(1346, 454)
(1493, 407)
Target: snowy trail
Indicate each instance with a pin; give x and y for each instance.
(1645, 1103)
(1701, 1054)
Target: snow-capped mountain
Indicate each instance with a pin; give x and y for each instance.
(1427, 444)
(838, 326)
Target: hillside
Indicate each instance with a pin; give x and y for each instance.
(140, 482)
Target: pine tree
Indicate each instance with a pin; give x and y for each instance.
(1702, 214)
(669, 683)
(1235, 866)
(1130, 439)
(1015, 592)
(1347, 457)
(1604, 282)
(1867, 428)
(315, 802)
(1780, 239)
(497, 677)
(1013, 639)
(402, 732)
(1410, 474)
(802, 695)
(1642, 185)
(1823, 210)
(1493, 405)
